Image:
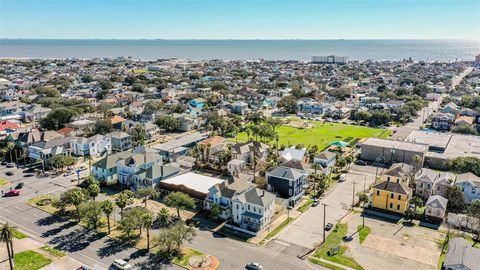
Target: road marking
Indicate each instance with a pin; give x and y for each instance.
(282, 243)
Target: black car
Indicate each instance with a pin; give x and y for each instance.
(9, 173)
(19, 185)
(360, 162)
(329, 226)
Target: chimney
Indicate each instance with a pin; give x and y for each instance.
(161, 171)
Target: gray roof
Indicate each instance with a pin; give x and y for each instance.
(286, 172)
(229, 189)
(400, 170)
(468, 177)
(155, 172)
(399, 145)
(461, 252)
(111, 160)
(427, 175)
(437, 201)
(256, 196)
(293, 153)
(325, 155)
(53, 143)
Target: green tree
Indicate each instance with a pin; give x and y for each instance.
(363, 199)
(464, 165)
(87, 78)
(93, 189)
(169, 240)
(138, 87)
(6, 236)
(91, 213)
(456, 200)
(132, 219)
(179, 201)
(288, 104)
(107, 208)
(464, 129)
(102, 127)
(167, 122)
(124, 199)
(105, 85)
(146, 194)
(164, 216)
(147, 223)
(57, 118)
(74, 197)
(215, 212)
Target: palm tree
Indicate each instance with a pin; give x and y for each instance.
(363, 199)
(164, 216)
(90, 159)
(6, 235)
(107, 208)
(147, 222)
(315, 167)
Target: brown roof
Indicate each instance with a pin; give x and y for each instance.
(393, 187)
(213, 141)
(117, 119)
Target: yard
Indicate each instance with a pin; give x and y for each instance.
(322, 134)
(30, 260)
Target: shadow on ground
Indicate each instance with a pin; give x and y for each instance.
(75, 240)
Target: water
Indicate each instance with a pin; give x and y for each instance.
(436, 50)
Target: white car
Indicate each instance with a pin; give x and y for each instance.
(342, 177)
(254, 266)
(121, 264)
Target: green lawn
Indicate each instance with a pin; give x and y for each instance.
(279, 228)
(54, 252)
(186, 254)
(363, 232)
(305, 206)
(322, 134)
(18, 234)
(335, 240)
(30, 260)
(3, 182)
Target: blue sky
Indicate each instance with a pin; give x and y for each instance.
(241, 19)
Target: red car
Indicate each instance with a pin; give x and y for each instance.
(13, 192)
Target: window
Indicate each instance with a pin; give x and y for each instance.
(289, 192)
(399, 197)
(391, 205)
(391, 196)
(291, 183)
(398, 206)
(378, 192)
(248, 206)
(388, 178)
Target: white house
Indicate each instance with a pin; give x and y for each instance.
(128, 167)
(470, 185)
(253, 209)
(94, 146)
(326, 159)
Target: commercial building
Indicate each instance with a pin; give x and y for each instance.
(388, 151)
(331, 59)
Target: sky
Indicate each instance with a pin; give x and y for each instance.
(240, 19)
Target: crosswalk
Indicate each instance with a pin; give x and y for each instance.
(362, 173)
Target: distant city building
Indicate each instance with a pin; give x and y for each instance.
(331, 59)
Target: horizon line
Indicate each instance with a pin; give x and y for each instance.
(242, 39)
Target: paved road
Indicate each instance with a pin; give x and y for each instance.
(307, 230)
(92, 249)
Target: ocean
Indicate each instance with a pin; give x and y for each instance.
(428, 50)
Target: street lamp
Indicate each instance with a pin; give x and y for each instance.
(324, 216)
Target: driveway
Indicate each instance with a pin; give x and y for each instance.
(307, 230)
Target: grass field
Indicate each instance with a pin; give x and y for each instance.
(187, 253)
(30, 260)
(54, 252)
(363, 232)
(3, 182)
(322, 134)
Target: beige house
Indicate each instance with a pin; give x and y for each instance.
(435, 208)
(398, 173)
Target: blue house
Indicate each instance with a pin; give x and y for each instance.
(197, 103)
(286, 183)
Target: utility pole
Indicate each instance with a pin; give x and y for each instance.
(353, 196)
(324, 216)
(365, 183)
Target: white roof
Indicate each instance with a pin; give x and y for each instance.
(197, 182)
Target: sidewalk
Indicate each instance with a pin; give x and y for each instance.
(294, 213)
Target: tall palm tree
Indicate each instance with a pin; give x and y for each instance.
(147, 222)
(6, 235)
(90, 159)
(164, 216)
(107, 208)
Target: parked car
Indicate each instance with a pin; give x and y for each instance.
(19, 185)
(360, 162)
(9, 173)
(67, 173)
(3, 163)
(12, 193)
(10, 165)
(342, 177)
(329, 226)
(83, 268)
(315, 203)
(83, 168)
(121, 264)
(253, 266)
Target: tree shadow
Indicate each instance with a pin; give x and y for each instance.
(49, 220)
(157, 260)
(113, 246)
(75, 240)
(57, 230)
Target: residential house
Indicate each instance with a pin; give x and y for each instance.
(118, 122)
(326, 159)
(105, 169)
(391, 196)
(451, 108)
(222, 194)
(120, 141)
(179, 147)
(398, 173)
(467, 112)
(470, 185)
(435, 208)
(197, 103)
(35, 113)
(429, 182)
(286, 183)
(443, 121)
(94, 146)
(46, 150)
(235, 166)
(291, 153)
(464, 120)
(253, 209)
(246, 151)
(239, 107)
(461, 255)
(32, 136)
(151, 176)
(127, 168)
